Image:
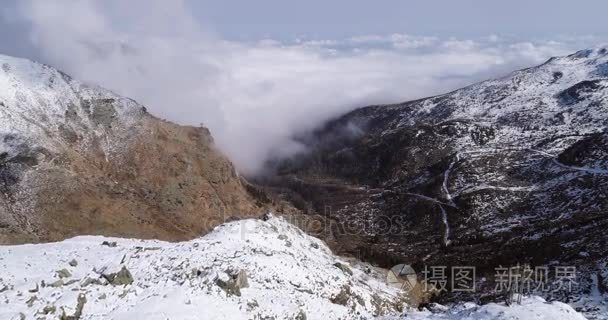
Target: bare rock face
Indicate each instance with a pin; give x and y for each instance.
(77, 159)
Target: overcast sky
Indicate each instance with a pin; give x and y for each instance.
(341, 18)
(321, 19)
(257, 71)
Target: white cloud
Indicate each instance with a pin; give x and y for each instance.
(255, 96)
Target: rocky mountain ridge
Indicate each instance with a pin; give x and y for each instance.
(78, 159)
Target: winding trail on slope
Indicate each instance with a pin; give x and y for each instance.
(421, 196)
(446, 177)
(499, 188)
(565, 166)
(446, 234)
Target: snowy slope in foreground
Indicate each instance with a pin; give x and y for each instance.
(289, 275)
(531, 308)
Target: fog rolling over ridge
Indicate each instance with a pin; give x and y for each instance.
(200, 159)
(254, 96)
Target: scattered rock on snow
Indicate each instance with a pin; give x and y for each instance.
(342, 297)
(111, 244)
(344, 268)
(56, 284)
(71, 282)
(34, 290)
(120, 278)
(31, 300)
(49, 309)
(90, 281)
(301, 315)
(234, 284)
(63, 273)
(82, 300)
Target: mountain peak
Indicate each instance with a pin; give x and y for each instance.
(589, 53)
(79, 159)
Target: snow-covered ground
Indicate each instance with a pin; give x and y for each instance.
(250, 269)
(531, 308)
(288, 275)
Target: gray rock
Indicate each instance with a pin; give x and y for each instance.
(120, 278)
(63, 273)
(343, 296)
(56, 284)
(301, 315)
(344, 268)
(234, 284)
(34, 290)
(31, 300)
(109, 244)
(241, 279)
(82, 300)
(71, 282)
(252, 304)
(90, 281)
(49, 309)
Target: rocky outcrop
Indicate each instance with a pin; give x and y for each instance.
(77, 159)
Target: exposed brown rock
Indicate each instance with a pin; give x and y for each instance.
(104, 166)
(170, 184)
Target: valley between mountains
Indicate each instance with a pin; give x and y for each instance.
(507, 171)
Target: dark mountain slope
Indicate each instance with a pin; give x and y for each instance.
(507, 171)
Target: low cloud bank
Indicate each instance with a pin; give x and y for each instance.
(255, 96)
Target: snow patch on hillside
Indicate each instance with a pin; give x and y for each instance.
(39, 104)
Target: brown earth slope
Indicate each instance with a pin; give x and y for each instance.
(77, 159)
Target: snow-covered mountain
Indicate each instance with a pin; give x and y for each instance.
(249, 269)
(506, 171)
(77, 159)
